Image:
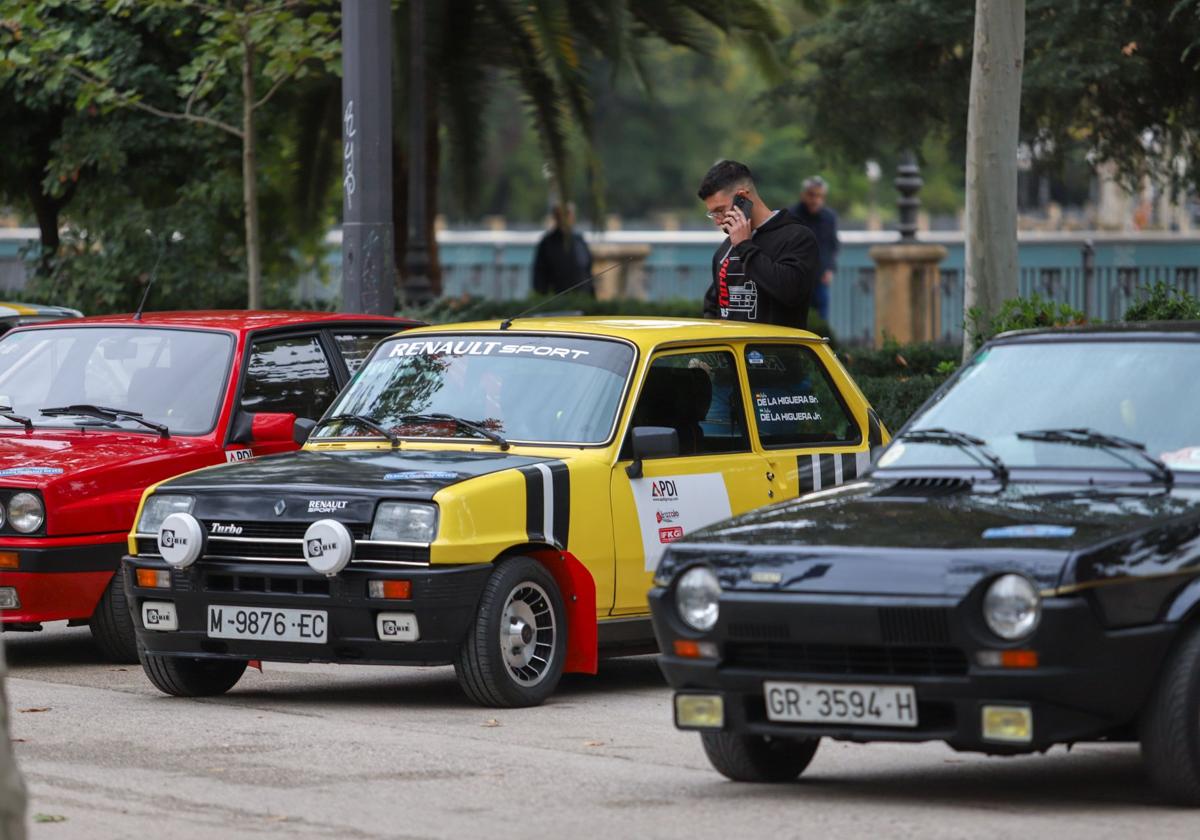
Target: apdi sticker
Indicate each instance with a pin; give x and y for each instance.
(421, 475)
(31, 471)
(1019, 532)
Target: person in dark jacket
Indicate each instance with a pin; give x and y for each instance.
(765, 270)
(822, 221)
(561, 262)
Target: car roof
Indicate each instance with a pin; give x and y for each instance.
(237, 320)
(1115, 330)
(644, 331)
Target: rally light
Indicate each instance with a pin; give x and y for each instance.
(1024, 659)
(396, 590)
(1008, 724)
(9, 600)
(699, 711)
(154, 578)
(690, 649)
(9, 560)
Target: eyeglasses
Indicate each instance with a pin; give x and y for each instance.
(716, 214)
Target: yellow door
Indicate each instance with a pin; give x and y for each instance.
(716, 474)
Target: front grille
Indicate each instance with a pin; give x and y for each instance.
(262, 583)
(277, 530)
(251, 549)
(756, 631)
(848, 660)
(914, 625)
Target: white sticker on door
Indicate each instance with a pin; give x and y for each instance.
(671, 507)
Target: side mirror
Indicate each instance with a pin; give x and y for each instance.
(275, 427)
(302, 429)
(651, 442)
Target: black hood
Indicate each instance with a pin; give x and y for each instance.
(940, 537)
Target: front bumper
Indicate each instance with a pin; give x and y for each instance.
(1090, 683)
(443, 600)
(59, 578)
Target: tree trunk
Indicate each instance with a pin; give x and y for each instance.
(249, 180)
(12, 786)
(993, 121)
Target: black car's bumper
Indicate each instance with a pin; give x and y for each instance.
(1089, 683)
(443, 602)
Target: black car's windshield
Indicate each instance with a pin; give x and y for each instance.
(173, 378)
(1010, 395)
(537, 388)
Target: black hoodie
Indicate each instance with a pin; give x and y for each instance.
(769, 278)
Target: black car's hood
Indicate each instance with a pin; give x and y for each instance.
(940, 538)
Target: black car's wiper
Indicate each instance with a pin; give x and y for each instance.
(968, 443)
(1103, 440)
(104, 413)
(364, 421)
(7, 413)
(494, 437)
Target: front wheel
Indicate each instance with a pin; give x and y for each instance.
(183, 677)
(1170, 725)
(112, 625)
(758, 758)
(514, 650)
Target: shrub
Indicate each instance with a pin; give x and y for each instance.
(895, 359)
(895, 399)
(1164, 302)
(1028, 313)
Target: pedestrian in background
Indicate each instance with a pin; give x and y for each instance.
(562, 259)
(765, 270)
(822, 221)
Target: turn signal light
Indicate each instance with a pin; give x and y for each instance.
(1007, 658)
(8, 560)
(396, 590)
(690, 649)
(154, 578)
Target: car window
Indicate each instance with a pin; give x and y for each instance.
(356, 346)
(288, 375)
(795, 402)
(698, 395)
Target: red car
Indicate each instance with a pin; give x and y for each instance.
(93, 411)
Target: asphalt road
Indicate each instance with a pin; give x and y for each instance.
(360, 752)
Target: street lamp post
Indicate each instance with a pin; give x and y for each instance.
(417, 288)
(368, 261)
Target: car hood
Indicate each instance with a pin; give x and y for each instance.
(46, 458)
(938, 537)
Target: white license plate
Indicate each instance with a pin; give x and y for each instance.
(865, 705)
(273, 625)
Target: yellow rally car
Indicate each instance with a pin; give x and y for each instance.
(489, 495)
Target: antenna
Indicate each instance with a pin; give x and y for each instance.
(162, 247)
(507, 322)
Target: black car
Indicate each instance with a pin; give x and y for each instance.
(1020, 568)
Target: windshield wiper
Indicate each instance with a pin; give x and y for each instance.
(7, 413)
(104, 413)
(494, 437)
(1111, 443)
(364, 421)
(974, 446)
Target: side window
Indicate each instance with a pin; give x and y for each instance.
(795, 403)
(289, 374)
(698, 395)
(355, 347)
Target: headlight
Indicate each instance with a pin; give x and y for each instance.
(158, 508)
(405, 522)
(697, 598)
(1012, 607)
(26, 513)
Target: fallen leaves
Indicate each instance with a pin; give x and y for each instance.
(33, 709)
(49, 818)
(490, 722)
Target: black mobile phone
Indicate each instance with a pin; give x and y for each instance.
(744, 204)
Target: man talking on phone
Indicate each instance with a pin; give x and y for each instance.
(764, 272)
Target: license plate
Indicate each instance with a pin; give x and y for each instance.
(865, 705)
(273, 625)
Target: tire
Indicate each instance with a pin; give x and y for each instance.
(1170, 724)
(112, 624)
(183, 677)
(757, 758)
(520, 593)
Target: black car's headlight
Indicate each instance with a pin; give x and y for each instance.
(697, 598)
(26, 513)
(405, 522)
(159, 507)
(1012, 607)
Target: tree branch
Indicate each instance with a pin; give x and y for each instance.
(129, 102)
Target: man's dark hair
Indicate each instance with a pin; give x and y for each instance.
(723, 175)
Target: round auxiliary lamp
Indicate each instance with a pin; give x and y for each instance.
(180, 540)
(328, 546)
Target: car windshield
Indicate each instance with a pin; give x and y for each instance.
(170, 377)
(1011, 395)
(536, 388)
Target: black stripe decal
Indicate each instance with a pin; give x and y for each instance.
(874, 430)
(828, 478)
(849, 466)
(562, 501)
(534, 503)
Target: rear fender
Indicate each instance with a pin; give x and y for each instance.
(579, 598)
